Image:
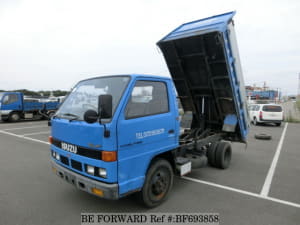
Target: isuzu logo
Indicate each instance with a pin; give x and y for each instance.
(69, 148)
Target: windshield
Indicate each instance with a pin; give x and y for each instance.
(1, 94)
(84, 96)
(272, 108)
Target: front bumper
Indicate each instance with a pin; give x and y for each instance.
(110, 191)
(4, 114)
(270, 121)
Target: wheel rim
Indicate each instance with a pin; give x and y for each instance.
(15, 117)
(160, 183)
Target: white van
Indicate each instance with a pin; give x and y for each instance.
(266, 113)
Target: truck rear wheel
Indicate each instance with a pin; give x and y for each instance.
(158, 183)
(211, 154)
(223, 155)
(14, 117)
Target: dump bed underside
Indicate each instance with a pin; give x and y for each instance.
(199, 70)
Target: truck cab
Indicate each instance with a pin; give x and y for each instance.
(14, 106)
(9, 103)
(116, 135)
(105, 147)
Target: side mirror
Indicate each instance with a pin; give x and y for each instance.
(90, 116)
(105, 106)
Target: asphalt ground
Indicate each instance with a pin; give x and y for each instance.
(261, 186)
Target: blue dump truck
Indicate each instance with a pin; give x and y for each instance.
(14, 107)
(118, 135)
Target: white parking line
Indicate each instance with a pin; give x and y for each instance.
(45, 132)
(243, 192)
(25, 123)
(268, 181)
(20, 128)
(22, 136)
(193, 179)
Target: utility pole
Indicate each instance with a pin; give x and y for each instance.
(298, 94)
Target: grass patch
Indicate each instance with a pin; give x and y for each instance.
(298, 104)
(291, 119)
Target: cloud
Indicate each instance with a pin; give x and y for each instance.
(53, 44)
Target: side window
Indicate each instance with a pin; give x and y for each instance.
(147, 98)
(11, 98)
(5, 99)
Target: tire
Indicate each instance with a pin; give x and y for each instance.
(211, 154)
(255, 123)
(5, 120)
(223, 155)
(263, 136)
(14, 117)
(158, 183)
(278, 124)
(50, 115)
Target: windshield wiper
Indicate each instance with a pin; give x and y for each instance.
(75, 117)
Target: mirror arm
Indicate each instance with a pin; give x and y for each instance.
(106, 132)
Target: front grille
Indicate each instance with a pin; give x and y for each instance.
(87, 152)
(76, 165)
(64, 160)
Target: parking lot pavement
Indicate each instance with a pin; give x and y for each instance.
(249, 166)
(286, 182)
(31, 194)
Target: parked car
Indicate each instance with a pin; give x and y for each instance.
(266, 113)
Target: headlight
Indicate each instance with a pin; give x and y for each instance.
(57, 156)
(102, 172)
(90, 170)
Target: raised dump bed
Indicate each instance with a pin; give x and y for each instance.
(203, 60)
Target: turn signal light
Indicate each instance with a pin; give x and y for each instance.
(97, 191)
(50, 139)
(108, 156)
(54, 169)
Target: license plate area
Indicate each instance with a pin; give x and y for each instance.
(183, 166)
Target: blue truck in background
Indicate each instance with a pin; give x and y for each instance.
(14, 107)
(123, 134)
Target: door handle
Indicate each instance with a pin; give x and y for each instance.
(171, 131)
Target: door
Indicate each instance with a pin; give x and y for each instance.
(272, 112)
(12, 101)
(252, 109)
(146, 127)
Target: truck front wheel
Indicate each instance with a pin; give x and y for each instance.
(14, 117)
(158, 183)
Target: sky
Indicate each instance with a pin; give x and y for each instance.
(50, 45)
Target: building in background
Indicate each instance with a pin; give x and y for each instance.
(255, 93)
